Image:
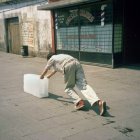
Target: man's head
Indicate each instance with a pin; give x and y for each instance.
(50, 55)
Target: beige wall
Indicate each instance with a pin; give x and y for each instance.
(2, 36)
(35, 29)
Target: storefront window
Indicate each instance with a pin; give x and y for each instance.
(85, 29)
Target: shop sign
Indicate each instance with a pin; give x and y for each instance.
(83, 13)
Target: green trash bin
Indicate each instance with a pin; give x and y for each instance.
(24, 50)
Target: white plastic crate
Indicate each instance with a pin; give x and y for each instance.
(36, 86)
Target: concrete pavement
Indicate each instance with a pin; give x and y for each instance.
(25, 117)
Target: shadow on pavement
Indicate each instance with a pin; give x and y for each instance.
(59, 98)
(87, 106)
(133, 66)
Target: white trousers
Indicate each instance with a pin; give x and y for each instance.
(74, 76)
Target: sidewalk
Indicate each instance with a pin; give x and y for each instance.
(25, 117)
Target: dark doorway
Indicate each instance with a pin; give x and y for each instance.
(131, 32)
(13, 36)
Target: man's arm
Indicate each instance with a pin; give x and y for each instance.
(43, 73)
(49, 75)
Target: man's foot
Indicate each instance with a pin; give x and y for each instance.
(102, 107)
(79, 105)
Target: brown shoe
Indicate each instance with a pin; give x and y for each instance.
(102, 107)
(80, 105)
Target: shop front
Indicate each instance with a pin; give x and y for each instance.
(87, 31)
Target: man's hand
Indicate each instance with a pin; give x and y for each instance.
(49, 75)
(43, 73)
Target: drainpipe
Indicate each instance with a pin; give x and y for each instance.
(53, 31)
(53, 49)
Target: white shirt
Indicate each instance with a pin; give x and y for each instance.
(57, 62)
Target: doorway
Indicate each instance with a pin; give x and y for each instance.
(131, 33)
(13, 36)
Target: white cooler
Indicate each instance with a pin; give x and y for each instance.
(36, 86)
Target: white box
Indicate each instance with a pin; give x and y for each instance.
(36, 86)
